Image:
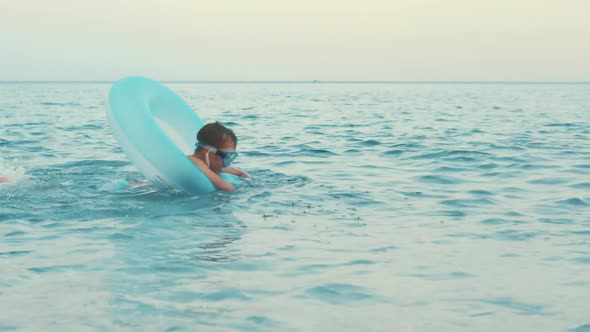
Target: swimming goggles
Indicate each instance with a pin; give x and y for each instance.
(227, 157)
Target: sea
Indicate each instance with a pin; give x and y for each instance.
(376, 206)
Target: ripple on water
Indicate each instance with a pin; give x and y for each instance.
(56, 268)
(580, 328)
(16, 253)
(573, 202)
(260, 321)
(581, 185)
(515, 235)
(14, 233)
(226, 294)
(354, 198)
(498, 221)
(480, 192)
(487, 166)
(466, 203)
(519, 308)
(549, 181)
(93, 164)
(371, 142)
(453, 213)
(448, 169)
(439, 179)
(582, 260)
(453, 155)
(341, 294)
(360, 262)
(386, 248)
(442, 276)
(537, 166)
(317, 152)
(394, 152)
(562, 124)
(49, 103)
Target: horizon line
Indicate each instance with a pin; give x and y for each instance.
(311, 81)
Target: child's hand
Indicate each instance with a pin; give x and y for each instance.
(235, 171)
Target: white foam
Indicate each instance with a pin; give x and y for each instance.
(14, 174)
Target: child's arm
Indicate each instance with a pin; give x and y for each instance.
(235, 171)
(217, 181)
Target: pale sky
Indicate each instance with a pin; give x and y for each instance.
(295, 40)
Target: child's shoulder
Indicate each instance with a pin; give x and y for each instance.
(195, 160)
(199, 163)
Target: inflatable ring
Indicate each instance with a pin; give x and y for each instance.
(157, 129)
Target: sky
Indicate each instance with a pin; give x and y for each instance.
(397, 40)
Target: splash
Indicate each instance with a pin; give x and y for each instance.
(10, 174)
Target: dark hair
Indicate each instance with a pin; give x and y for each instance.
(215, 134)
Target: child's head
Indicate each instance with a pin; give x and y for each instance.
(222, 140)
(217, 136)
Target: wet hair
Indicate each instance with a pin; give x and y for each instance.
(215, 134)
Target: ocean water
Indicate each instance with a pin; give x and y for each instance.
(371, 207)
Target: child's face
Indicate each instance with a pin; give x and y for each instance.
(216, 163)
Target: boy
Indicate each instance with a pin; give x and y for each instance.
(215, 150)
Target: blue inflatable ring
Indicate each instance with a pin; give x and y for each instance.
(157, 129)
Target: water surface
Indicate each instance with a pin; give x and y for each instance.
(371, 207)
